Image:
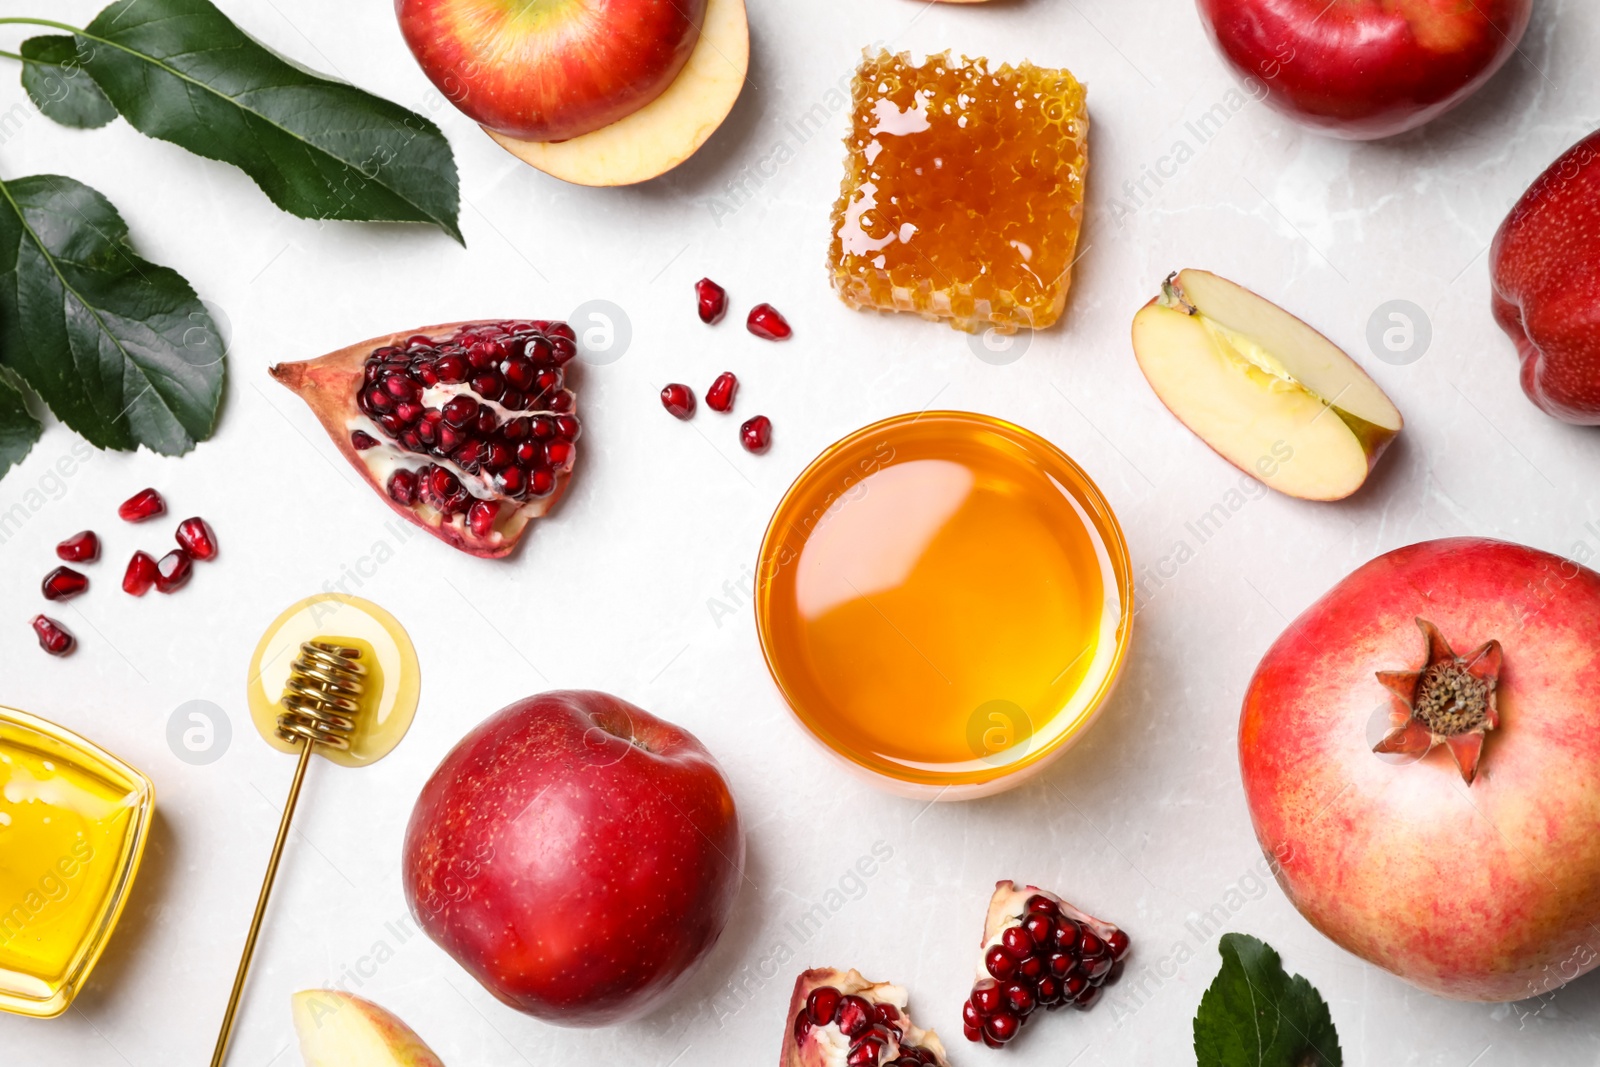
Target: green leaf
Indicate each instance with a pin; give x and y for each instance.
(59, 86)
(181, 71)
(120, 349)
(19, 431)
(1255, 1015)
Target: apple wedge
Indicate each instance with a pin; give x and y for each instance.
(664, 132)
(1268, 393)
(338, 1029)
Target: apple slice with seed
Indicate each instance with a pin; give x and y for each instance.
(1268, 393)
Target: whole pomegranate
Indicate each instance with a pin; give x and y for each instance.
(1422, 765)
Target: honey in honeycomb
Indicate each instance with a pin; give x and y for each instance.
(963, 191)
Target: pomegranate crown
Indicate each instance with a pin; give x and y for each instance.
(1449, 701)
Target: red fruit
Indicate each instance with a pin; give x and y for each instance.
(53, 637)
(839, 1019)
(765, 321)
(197, 539)
(63, 583)
(80, 548)
(145, 504)
(427, 400)
(1479, 883)
(1546, 296)
(720, 396)
(712, 299)
(1365, 70)
(999, 963)
(577, 855)
(140, 577)
(173, 571)
(756, 434)
(678, 400)
(1002, 1027)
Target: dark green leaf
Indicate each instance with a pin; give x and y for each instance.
(1255, 1015)
(181, 71)
(60, 87)
(19, 431)
(120, 349)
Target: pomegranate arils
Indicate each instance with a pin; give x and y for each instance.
(756, 434)
(403, 487)
(360, 440)
(196, 538)
(140, 577)
(765, 321)
(1017, 942)
(480, 517)
(1000, 963)
(144, 504)
(712, 300)
(80, 548)
(1118, 943)
(63, 583)
(173, 571)
(720, 396)
(53, 637)
(678, 400)
(821, 1005)
(876, 1032)
(558, 453)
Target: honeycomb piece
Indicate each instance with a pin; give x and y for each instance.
(963, 191)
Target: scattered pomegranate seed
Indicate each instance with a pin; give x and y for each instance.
(80, 548)
(713, 300)
(53, 637)
(173, 571)
(756, 434)
(63, 583)
(141, 574)
(765, 321)
(197, 539)
(145, 504)
(678, 400)
(720, 396)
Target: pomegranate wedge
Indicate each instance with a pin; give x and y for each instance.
(466, 429)
(839, 1019)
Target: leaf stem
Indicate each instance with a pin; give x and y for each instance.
(18, 20)
(21, 59)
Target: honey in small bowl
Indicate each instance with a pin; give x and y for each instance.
(944, 600)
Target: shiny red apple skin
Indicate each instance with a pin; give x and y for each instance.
(1364, 69)
(1545, 264)
(550, 70)
(577, 855)
(1485, 892)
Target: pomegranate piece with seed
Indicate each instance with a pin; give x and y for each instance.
(712, 299)
(756, 434)
(53, 637)
(173, 571)
(766, 321)
(720, 396)
(1038, 952)
(63, 583)
(678, 400)
(140, 577)
(839, 1019)
(81, 547)
(195, 537)
(145, 504)
(447, 418)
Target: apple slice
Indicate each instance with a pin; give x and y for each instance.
(1271, 395)
(666, 131)
(337, 1029)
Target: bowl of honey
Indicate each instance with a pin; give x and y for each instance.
(944, 600)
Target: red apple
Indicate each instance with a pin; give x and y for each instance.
(1440, 825)
(577, 855)
(555, 69)
(1547, 284)
(1364, 69)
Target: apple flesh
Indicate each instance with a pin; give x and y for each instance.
(1271, 395)
(338, 1029)
(1364, 69)
(577, 855)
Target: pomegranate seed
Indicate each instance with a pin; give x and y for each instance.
(541, 480)
(756, 434)
(53, 637)
(567, 427)
(1074, 985)
(1086, 1000)
(802, 1026)
(1060, 964)
(480, 517)
(986, 997)
(513, 481)
(419, 340)
(1067, 934)
(854, 1015)
(992, 1042)
(1118, 943)
(1098, 969)
(459, 410)
(1040, 927)
(1019, 999)
(970, 1018)
(197, 539)
(452, 370)
(80, 548)
(488, 385)
(173, 571)
(1000, 963)
(1049, 991)
(821, 1005)
(63, 583)
(558, 453)
(1017, 941)
(1002, 1027)
(361, 440)
(972, 1032)
(1031, 969)
(1043, 906)
(720, 396)
(403, 487)
(766, 321)
(713, 300)
(678, 400)
(401, 387)
(144, 504)
(519, 373)
(1090, 945)
(140, 575)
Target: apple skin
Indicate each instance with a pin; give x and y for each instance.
(1486, 892)
(550, 70)
(1545, 264)
(339, 1029)
(577, 855)
(1364, 69)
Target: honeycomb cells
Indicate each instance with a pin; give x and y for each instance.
(963, 191)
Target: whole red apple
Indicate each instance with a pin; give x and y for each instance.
(1421, 760)
(577, 855)
(1364, 69)
(551, 70)
(1545, 263)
